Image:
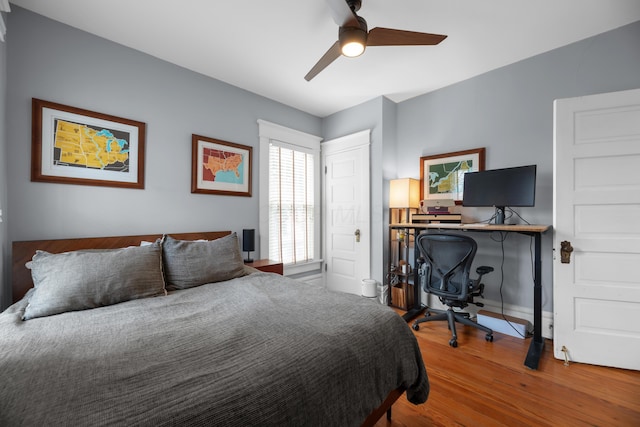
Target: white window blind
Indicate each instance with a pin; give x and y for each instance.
(289, 197)
(291, 205)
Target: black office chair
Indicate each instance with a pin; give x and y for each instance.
(443, 270)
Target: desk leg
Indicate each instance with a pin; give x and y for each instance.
(537, 342)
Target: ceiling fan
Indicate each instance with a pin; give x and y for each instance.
(353, 35)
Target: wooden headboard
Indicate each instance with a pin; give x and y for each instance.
(22, 252)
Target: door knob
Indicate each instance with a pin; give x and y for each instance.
(357, 235)
(565, 252)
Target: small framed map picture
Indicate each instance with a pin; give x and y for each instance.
(75, 146)
(442, 175)
(220, 167)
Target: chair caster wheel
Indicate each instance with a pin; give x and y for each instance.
(453, 343)
(489, 338)
(415, 326)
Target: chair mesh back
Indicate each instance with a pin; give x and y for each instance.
(449, 258)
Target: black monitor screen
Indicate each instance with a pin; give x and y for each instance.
(500, 187)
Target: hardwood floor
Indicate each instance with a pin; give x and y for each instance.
(486, 384)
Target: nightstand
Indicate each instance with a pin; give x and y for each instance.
(267, 265)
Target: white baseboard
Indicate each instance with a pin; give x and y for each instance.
(508, 325)
(525, 313)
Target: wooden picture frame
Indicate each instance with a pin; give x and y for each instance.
(71, 145)
(220, 167)
(442, 175)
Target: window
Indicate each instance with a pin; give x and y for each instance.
(289, 197)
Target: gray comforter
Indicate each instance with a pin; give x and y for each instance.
(258, 350)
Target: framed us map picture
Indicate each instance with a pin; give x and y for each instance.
(74, 146)
(220, 167)
(442, 175)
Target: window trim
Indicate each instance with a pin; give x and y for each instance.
(290, 138)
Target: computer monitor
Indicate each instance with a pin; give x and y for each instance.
(500, 188)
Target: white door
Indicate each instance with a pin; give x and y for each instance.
(347, 212)
(596, 296)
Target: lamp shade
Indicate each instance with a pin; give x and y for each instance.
(404, 193)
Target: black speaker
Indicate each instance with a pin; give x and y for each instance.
(248, 242)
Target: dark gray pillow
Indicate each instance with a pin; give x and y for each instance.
(194, 263)
(87, 279)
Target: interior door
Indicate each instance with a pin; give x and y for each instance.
(346, 216)
(596, 295)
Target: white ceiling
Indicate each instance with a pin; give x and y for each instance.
(267, 46)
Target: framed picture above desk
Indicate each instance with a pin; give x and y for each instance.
(442, 175)
(537, 343)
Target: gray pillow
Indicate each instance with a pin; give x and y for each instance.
(87, 279)
(194, 263)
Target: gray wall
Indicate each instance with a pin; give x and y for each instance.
(54, 62)
(510, 112)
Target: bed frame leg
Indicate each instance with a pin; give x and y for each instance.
(377, 413)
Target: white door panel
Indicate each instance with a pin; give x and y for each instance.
(346, 206)
(597, 209)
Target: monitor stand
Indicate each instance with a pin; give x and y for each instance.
(499, 215)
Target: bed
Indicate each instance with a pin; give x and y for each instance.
(244, 348)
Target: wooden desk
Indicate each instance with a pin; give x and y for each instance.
(537, 342)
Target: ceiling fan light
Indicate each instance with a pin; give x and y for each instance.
(352, 41)
(352, 49)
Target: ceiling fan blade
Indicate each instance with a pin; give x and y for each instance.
(342, 13)
(389, 37)
(331, 55)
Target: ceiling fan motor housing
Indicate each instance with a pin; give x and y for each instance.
(349, 34)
